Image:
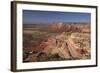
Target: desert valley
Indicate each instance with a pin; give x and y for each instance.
(56, 41)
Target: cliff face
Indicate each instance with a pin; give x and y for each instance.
(62, 46)
(58, 48)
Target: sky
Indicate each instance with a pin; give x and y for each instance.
(33, 16)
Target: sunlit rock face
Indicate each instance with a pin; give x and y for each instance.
(62, 46)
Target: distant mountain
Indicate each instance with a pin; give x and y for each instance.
(70, 26)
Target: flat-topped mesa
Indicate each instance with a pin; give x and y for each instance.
(57, 26)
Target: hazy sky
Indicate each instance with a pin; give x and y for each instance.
(33, 16)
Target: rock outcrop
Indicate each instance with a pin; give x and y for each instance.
(60, 46)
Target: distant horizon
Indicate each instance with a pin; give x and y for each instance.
(59, 22)
(48, 17)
